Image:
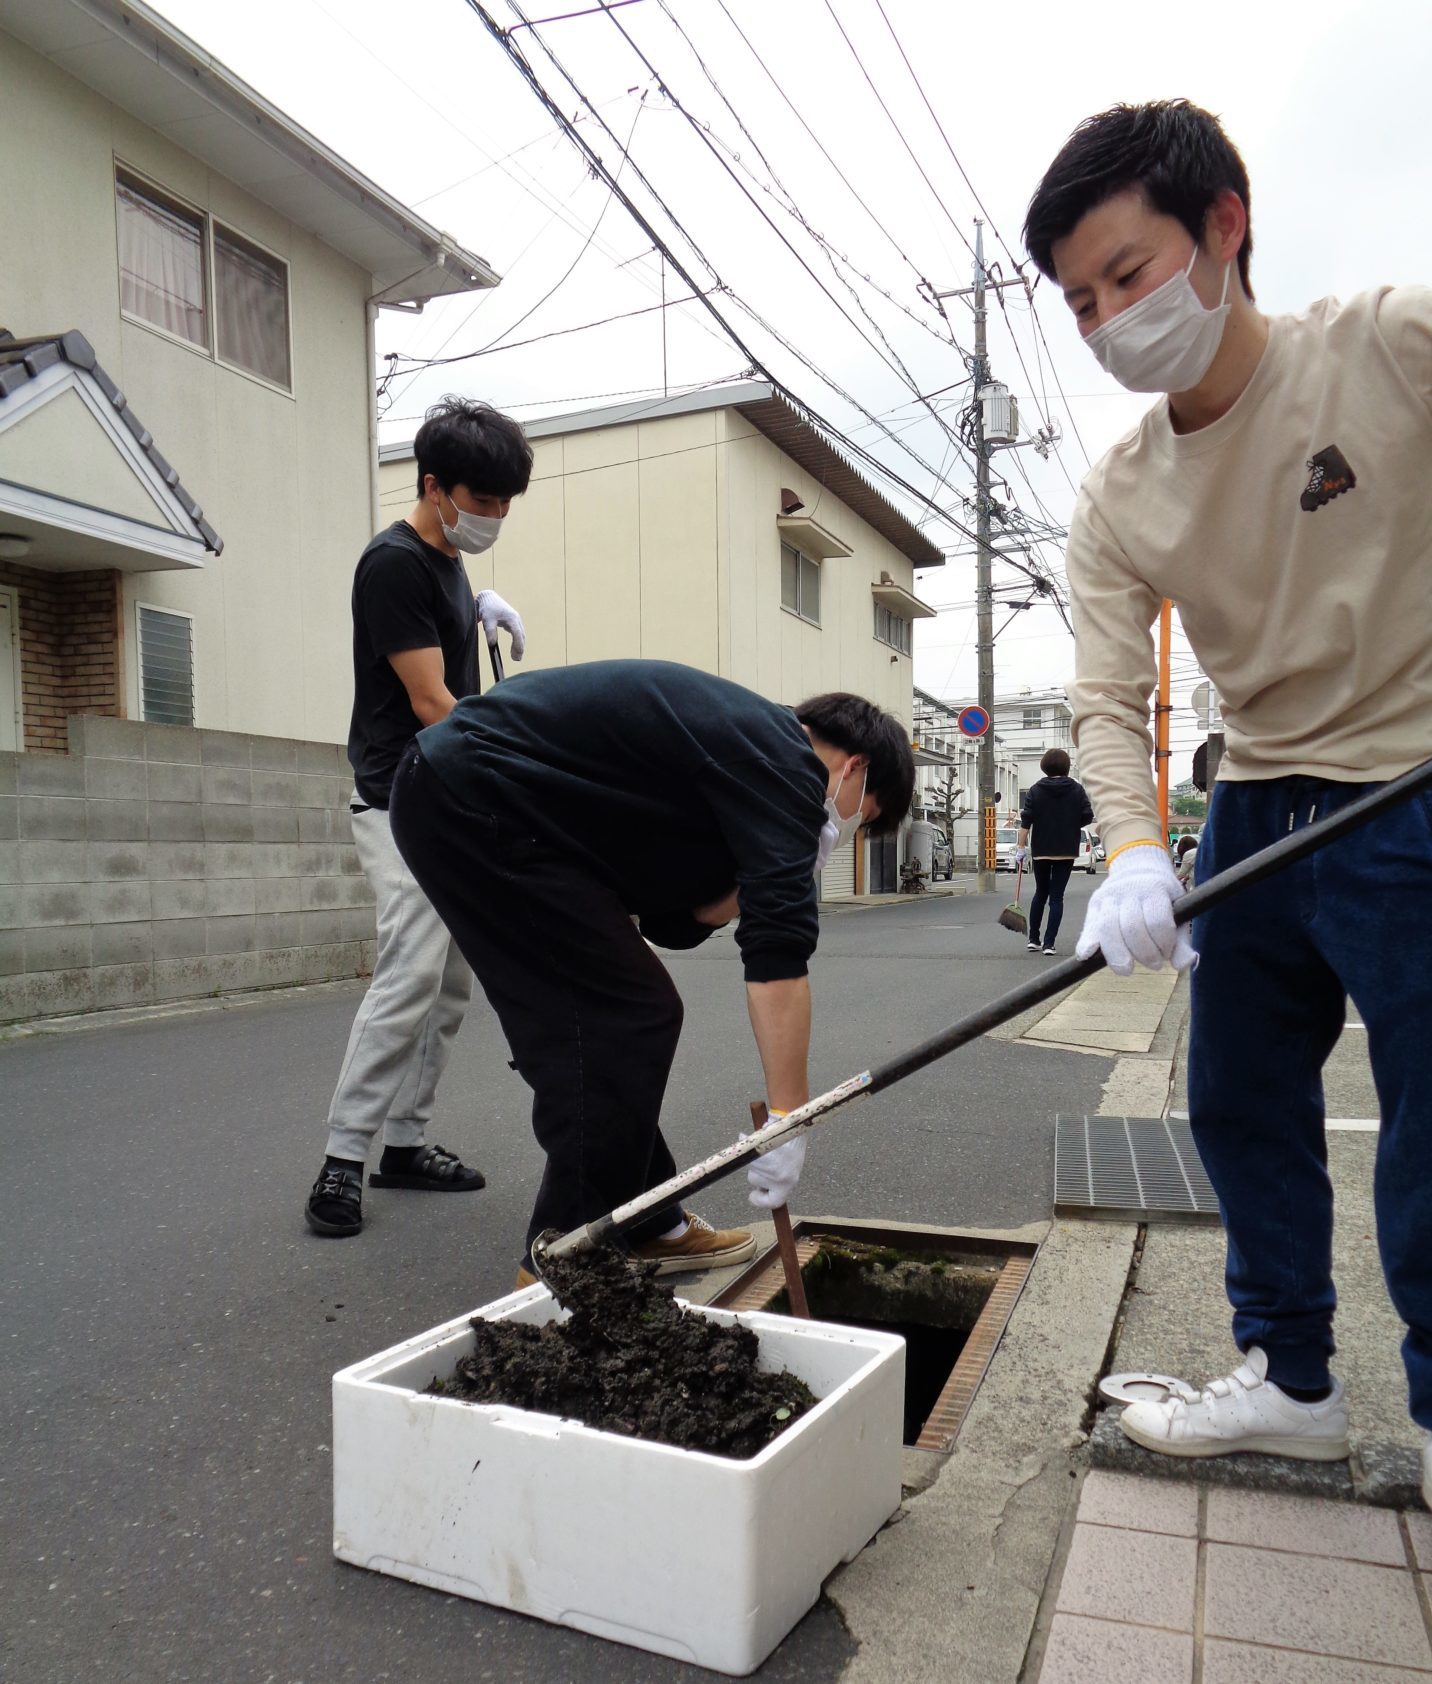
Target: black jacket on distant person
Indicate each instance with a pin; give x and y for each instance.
(1055, 810)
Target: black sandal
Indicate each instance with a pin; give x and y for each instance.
(335, 1206)
(433, 1170)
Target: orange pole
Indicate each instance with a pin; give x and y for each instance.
(1163, 709)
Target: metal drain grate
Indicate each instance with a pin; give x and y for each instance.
(1138, 1169)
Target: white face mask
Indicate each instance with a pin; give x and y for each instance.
(836, 830)
(472, 533)
(1167, 341)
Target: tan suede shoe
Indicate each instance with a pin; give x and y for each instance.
(700, 1247)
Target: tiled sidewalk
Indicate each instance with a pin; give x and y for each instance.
(1168, 1582)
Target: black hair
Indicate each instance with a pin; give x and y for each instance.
(462, 442)
(1176, 153)
(859, 727)
(1054, 763)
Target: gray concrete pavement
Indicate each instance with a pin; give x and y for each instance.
(171, 1327)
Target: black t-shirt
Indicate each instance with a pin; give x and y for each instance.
(670, 785)
(406, 595)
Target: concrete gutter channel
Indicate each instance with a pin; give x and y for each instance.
(960, 1586)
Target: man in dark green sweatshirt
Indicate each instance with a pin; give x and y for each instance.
(566, 815)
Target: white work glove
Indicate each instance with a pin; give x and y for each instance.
(773, 1178)
(1021, 854)
(494, 614)
(1130, 916)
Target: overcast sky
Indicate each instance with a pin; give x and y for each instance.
(1326, 101)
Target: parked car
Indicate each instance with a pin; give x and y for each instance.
(942, 857)
(1005, 841)
(1085, 860)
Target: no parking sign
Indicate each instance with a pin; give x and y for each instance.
(972, 721)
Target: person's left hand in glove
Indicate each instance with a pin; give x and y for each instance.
(496, 614)
(773, 1178)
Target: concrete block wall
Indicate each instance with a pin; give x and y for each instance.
(158, 863)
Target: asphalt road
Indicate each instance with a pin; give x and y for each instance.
(170, 1326)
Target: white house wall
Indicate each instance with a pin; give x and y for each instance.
(660, 539)
(771, 650)
(284, 479)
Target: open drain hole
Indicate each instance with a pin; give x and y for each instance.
(947, 1295)
(930, 1356)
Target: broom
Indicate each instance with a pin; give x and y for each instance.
(1012, 918)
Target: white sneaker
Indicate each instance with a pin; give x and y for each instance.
(1246, 1411)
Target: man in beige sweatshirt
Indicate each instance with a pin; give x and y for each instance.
(1279, 492)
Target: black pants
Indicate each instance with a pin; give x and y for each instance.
(1051, 877)
(589, 1011)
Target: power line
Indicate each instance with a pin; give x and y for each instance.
(893, 359)
(923, 286)
(594, 397)
(519, 176)
(1018, 265)
(786, 198)
(1054, 370)
(880, 100)
(859, 451)
(464, 320)
(566, 273)
(552, 135)
(943, 136)
(419, 364)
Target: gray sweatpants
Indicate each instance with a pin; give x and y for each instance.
(404, 1030)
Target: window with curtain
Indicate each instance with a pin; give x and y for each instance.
(251, 308)
(161, 261)
(166, 667)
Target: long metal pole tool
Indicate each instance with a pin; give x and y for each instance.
(1290, 849)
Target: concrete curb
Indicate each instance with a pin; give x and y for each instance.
(115, 1017)
(953, 1592)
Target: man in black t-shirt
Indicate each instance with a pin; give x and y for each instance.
(414, 657)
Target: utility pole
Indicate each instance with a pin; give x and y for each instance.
(984, 580)
(1005, 432)
(1163, 711)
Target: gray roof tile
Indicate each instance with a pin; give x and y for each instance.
(22, 359)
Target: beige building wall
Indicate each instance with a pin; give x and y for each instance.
(285, 480)
(659, 539)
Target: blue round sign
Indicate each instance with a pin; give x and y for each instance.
(973, 721)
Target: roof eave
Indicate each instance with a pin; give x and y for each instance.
(441, 265)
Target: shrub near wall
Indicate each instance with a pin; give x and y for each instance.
(157, 863)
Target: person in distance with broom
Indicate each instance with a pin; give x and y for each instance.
(1055, 810)
(1278, 493)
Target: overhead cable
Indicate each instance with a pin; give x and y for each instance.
(893, 359)
(705, 297)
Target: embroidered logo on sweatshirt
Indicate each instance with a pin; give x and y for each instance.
(1330, 474)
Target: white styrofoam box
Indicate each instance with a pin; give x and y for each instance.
(699, 1557)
